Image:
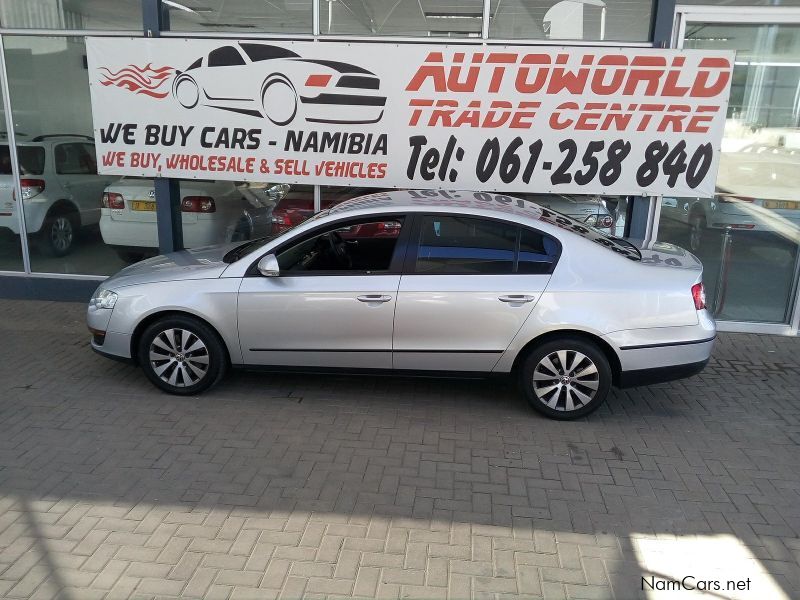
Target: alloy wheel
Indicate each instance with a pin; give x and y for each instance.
(61, 233)
(566, 380)
(179, 357)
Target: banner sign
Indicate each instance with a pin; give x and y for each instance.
(490, 118)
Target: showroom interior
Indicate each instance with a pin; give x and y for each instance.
(747, 235)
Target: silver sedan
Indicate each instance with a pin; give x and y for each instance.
(418, 282)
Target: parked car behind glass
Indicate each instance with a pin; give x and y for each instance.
(756, 191)
(61, 190)
(212, 212)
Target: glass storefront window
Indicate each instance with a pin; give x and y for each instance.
(284, 16)
(62, 192)
(459, 19)
(10, 246)
(591, 20)
(71, 14)
(757, 195)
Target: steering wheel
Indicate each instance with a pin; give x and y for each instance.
(338, 249)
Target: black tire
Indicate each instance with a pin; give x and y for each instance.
(129, 256)
(569, 387)
(183, 385)
(59, 232)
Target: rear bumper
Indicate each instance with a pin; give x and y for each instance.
(660, 374)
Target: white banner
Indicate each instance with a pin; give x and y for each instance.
(490, 118)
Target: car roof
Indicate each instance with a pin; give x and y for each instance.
(442, 200)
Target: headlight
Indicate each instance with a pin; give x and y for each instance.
(103, 299)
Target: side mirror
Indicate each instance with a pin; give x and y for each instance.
(268, 266)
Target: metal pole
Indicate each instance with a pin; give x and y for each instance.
(13, 154)
(722, 278)
(155, 16)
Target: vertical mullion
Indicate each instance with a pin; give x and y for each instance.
(487, 5)
(315, 27)
(155, 19)
(14, 156)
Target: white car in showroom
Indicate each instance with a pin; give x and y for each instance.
(61, 190)
(471, 283)
(756, 192)
(212, 212)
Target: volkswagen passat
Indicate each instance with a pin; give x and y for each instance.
(472, 283)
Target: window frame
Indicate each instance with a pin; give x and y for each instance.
(409, 265)
(395, 264)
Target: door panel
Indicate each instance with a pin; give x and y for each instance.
(318, 320)
(458, 322)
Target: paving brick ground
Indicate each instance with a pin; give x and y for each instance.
(310, 486)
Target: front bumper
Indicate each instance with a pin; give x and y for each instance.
(108, 343)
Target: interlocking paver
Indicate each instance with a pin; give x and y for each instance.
(289, 486)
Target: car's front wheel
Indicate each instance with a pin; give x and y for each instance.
(182, 355)
(566, 378)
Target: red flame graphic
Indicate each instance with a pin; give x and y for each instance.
(139, 80)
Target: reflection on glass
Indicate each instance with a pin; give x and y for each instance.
(757, 197)
(459, 19)
(605, 213)
(61, 190)
(571, 20)
(281, 16)
(71, 14)
(10, 246)
(212, 212)
(296, 206)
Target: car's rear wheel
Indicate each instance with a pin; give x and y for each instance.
(279, 99)
(566, 378)
(59, 232)
(182, 355)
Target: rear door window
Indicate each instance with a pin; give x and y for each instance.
(455, 244)
(75, 159)
(31, 160)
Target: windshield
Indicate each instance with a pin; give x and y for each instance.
(244, 249)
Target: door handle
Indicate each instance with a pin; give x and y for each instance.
(517, 298)
(373, 298)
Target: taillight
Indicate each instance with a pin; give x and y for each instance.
(699, 296)
(389, 225)
(318, 80)
(731, 199)
(281, 219)
(30, 188)
(198, 204)
(112, 200)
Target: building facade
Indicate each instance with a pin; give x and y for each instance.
(747, 235)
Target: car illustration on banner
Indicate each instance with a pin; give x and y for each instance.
(262, 80)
